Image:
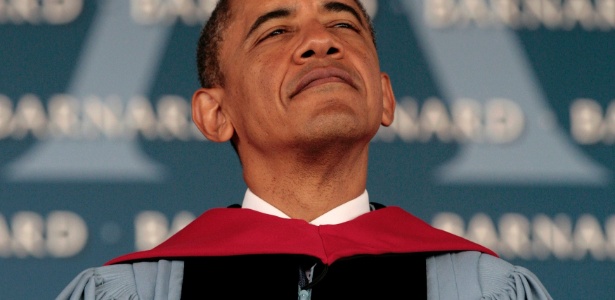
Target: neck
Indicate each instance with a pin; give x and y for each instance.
(305, 185)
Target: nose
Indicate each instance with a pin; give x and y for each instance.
(317, 42)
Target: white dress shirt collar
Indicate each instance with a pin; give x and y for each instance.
(340, 214)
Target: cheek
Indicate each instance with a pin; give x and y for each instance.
(265, 77)
(268, 71)
(259, 94)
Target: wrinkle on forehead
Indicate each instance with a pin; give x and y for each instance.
(280, 9)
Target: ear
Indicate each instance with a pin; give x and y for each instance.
(209, 117)
(388, 100)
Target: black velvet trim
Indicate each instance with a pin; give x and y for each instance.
(390, 276)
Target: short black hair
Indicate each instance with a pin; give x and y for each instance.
(207, 53)
(210, 40)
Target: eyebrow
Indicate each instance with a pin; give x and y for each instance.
(332, 6)
(341, 7)
(275, 14)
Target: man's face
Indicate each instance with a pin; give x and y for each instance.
(301, 73)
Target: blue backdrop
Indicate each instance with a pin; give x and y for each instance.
(504, 133)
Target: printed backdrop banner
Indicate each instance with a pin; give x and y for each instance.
(503, 134)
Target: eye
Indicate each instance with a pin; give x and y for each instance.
(273, 33)
(345, 25)
(276, 32)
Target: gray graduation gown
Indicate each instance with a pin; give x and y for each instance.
(463, 275)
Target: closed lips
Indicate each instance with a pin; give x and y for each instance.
(320, 76)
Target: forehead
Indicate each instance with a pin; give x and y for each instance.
(244, 13)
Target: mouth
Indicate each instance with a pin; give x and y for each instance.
(319, 76)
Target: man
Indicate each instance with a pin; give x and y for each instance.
(296, 86)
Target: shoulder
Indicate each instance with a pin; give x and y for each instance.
(475, 275)
(143, 280)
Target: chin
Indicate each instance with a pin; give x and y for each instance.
(332, 133)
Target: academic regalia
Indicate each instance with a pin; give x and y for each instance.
(239, 253)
